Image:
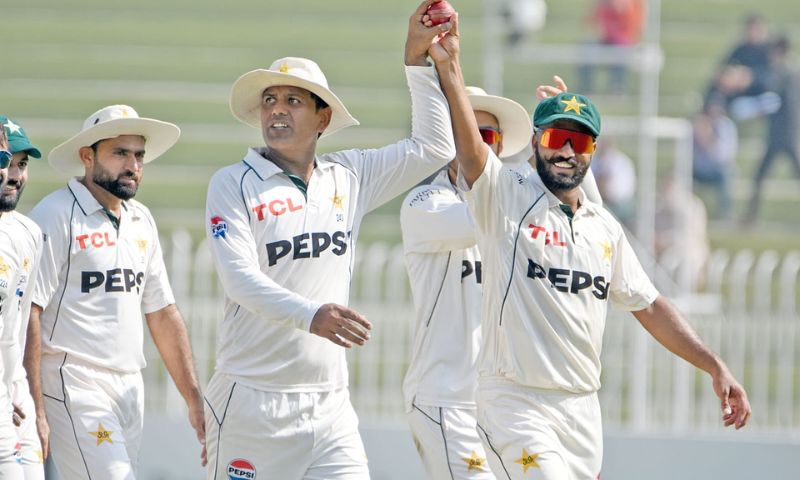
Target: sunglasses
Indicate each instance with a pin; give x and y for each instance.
(5, 158)
(555, 138)
(490, 135)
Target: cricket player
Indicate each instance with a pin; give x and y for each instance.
(101, 269)
(552, 260)
(282, 225)
(10, 268)
(28, 242)
(444, 269)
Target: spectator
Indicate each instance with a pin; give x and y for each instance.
(616, 179)
(753, 53)
(741, 82)
(620, 23)
(715, 143)
(523, 17)
(783, 125)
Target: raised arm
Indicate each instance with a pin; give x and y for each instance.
(471, 152)
(667, 325)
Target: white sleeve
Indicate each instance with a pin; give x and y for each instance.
(631, 288)
(434, 220)
(27, 296)
(236, 259)
(387, 172)
(589, 186)
(491, 195)
(55, 251)
(157, 290)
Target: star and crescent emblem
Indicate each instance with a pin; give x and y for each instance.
(573, 105)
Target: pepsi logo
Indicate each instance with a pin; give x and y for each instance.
(241, 469)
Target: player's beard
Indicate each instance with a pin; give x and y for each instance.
(8, 202)
(558, 183)
(102, 178)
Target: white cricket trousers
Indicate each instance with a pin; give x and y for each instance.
(253, 434)
(95, 418)
(448, 443)
(30, 453)
(541, 434)
(10, 468)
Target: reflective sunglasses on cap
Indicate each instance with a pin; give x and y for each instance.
(5, 158)
(490, 135)
(555, 138)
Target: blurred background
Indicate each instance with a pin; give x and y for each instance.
(693, 93)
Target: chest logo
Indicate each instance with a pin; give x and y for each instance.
(95, 239)
(276, 208)
(4, 268)
(607, 252)
(550, 237)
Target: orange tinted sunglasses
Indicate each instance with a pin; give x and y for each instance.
(555, 138)
(490, 135)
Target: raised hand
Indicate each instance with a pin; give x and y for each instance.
(421, 34)
(546, 91)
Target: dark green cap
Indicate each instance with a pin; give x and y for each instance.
(568, 106)
(17, 139)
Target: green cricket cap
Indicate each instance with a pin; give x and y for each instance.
(18, 140)
(568, 106)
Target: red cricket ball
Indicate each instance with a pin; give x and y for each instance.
(440, 12)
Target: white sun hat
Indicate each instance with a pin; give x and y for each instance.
(111, 122)
(513, 119)
(289, 71)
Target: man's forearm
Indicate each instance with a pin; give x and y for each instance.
(172, 340)
(32, 358)
(666, 324)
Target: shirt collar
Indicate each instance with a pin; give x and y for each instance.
(84, 197)
(553, 201)
(265, 168)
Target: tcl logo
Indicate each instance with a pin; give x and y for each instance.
(96, 239)
(276, 208)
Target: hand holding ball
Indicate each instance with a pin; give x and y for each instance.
(440, 12)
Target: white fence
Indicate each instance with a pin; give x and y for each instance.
(747, 311)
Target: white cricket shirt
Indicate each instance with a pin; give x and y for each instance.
(548, 279)
(444, 268)
(11, 266)
(96, 280)
(280, 254)
(28, 245)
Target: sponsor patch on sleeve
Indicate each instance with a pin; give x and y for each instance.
(219, 227)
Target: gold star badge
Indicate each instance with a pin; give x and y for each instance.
(337, 201)
(607, 252)
(142, 243)
(102, 435)
(4, 268)
(12, 127)
(26, 264)
(527, 460)
(284, 68)
(573, 105)
(475, 462)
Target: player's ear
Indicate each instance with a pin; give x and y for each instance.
(87, 155)
(324, 119)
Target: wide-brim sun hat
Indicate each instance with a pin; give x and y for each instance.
(111, 122)
(245, 101)
(512, 118)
